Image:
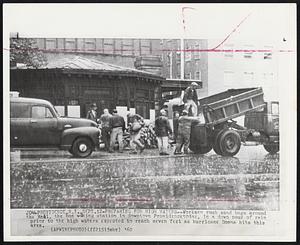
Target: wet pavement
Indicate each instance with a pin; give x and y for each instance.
(54, 179)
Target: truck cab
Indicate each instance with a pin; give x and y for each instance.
(35, 123)
(266, 122)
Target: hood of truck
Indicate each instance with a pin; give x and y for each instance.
(77, 122)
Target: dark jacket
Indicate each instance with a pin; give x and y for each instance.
(175, 126)
(116, 121)
(190, 94)
(162, 126)
(91, 116)
(104, 119)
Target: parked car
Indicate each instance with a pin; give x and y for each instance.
(35, 123)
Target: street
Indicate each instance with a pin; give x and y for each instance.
(54, 179)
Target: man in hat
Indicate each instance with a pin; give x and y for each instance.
(162, 131)
(117, 125)
(92, 113)
(184, 132)
(190, 99)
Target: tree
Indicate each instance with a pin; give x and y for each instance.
(24, 50)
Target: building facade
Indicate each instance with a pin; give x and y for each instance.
(243, 64)
(236, 67)
(72, 85)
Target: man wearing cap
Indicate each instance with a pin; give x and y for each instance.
(117, 125)
(184, 132)
(190, 99)
(162, 131)
(92, 113)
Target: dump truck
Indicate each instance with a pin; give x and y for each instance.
(219, 131)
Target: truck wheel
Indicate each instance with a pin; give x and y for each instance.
(216, 144)
(200, 149)
(272, 148)
(82, 147)
(230, 143)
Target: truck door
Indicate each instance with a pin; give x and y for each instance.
(273, 118)
(19, 124)
(43, 126)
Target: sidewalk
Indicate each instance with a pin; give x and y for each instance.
(48, 154)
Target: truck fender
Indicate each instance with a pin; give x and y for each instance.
(69, 135)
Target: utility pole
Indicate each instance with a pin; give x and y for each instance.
(171, 64)
(182, 49)
(182, 58)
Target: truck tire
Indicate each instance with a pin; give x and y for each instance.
(82, 147)
(216, 143)
(272, 148)
(200, 149)
(230, 143)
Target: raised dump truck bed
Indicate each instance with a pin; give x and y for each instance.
(230, 104)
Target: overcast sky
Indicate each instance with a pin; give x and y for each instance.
(269, 22)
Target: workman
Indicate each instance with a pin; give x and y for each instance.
(162, 131)
(184, 132)
(135, 123)
(190, 99)
(117, 125)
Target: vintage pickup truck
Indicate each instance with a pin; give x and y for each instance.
(34, 123)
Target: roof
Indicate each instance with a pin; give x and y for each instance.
(30, 100)
(79, 64)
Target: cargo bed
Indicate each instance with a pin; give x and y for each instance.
(230, 104)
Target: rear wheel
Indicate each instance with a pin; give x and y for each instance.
(230, 143)
(272, 148)
(82, 147)
(216, 144)
(200, 149)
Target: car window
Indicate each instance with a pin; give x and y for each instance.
(41, 112)
(19, 110)
(275, 108)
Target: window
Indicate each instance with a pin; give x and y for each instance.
(198, 75)
(178, 56)
(188, 76)
(178, 70)
(268, 78)
(40, 112)
(197, 53)
(229, 79)
(141, 109)
(90, 44)
(275, 108)
(248, 76)
(228, 51)
(18, 110)
(108, 46)
(145, 47)
(268, 54)
(50, 43)
(70, 44)
(127, 47)
(248, 52)
(188, 54)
